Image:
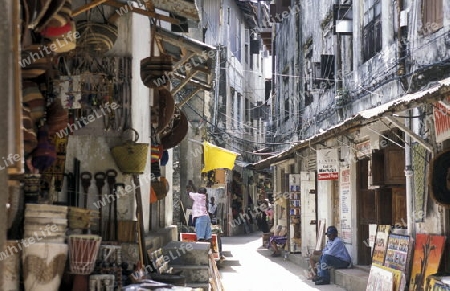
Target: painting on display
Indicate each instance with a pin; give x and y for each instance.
(380, 279)
(380, 245)
(433, 284)
(427, 257)
(398, 251)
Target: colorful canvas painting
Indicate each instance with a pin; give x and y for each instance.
(380, 279)
(433, 284)
(427, 257)
(398, 251)
(398, 278)
(380, 245)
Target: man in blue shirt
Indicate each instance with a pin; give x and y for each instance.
(334, 254)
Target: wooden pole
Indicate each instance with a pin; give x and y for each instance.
(9, 18)
(139, 215)
(87, 7)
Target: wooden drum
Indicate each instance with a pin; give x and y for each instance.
(83, 250)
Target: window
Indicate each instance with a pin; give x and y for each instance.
(235, 36)
(432, 16)
(372, 29)
(239, 111)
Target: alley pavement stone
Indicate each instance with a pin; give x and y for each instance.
(248, 266)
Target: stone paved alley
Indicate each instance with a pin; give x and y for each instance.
(249, 267)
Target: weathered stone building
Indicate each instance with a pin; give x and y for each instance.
(358, 90)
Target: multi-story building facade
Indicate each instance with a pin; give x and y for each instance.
(360, 110)
(230, 115)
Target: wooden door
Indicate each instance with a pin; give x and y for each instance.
(399, 218)
(365, 199)
(394, 166)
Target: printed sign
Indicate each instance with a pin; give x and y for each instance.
(327, 164)
(441, 114)
(345, 206)
(363, 149)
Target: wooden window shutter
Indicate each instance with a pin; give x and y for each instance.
(286, 3)
(378, 35)
(439, 13)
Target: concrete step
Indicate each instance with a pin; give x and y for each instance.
(298, 259)
(187, 253)
(199, 286)
(354, 279)
(193, 274)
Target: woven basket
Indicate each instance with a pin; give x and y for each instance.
(153, 70)
(161, 187)
(131, 157)
(97, 37)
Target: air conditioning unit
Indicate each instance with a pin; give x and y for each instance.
(343, 19)
(255, 45)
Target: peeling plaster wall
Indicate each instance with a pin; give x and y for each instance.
(286, 89)
(92, 145)
(431, 47)
(94, 155)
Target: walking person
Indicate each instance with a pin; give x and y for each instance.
(200, 214)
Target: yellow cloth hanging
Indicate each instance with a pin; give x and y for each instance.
(217, 158)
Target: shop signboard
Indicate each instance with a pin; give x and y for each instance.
(327, 164)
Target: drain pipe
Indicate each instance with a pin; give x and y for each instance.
(409, 174)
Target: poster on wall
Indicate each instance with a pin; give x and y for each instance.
(327, 164)
(345, 201)
(397, 253)
(380, 245)
(427, 257)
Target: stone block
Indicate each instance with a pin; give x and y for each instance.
(194, 274)
(187, 253)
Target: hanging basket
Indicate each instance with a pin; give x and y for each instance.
(161, 187)
(131, 157)
(153, 70)
(97, 37)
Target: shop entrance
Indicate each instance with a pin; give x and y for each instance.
(381, 195)
(365, 202)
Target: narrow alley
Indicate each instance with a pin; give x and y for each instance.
(249, 267)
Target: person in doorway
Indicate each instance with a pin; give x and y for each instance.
(212, 209)
(261, 221)
(200, 214)
(334, 254)
(279, 238)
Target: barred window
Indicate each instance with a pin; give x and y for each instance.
(372, 29)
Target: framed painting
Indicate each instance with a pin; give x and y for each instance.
(427, 257)
(380, 245)
(434, 284)
(380, 279)
(398, 252)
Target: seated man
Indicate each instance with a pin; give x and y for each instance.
(279, 238)
(334, 254)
